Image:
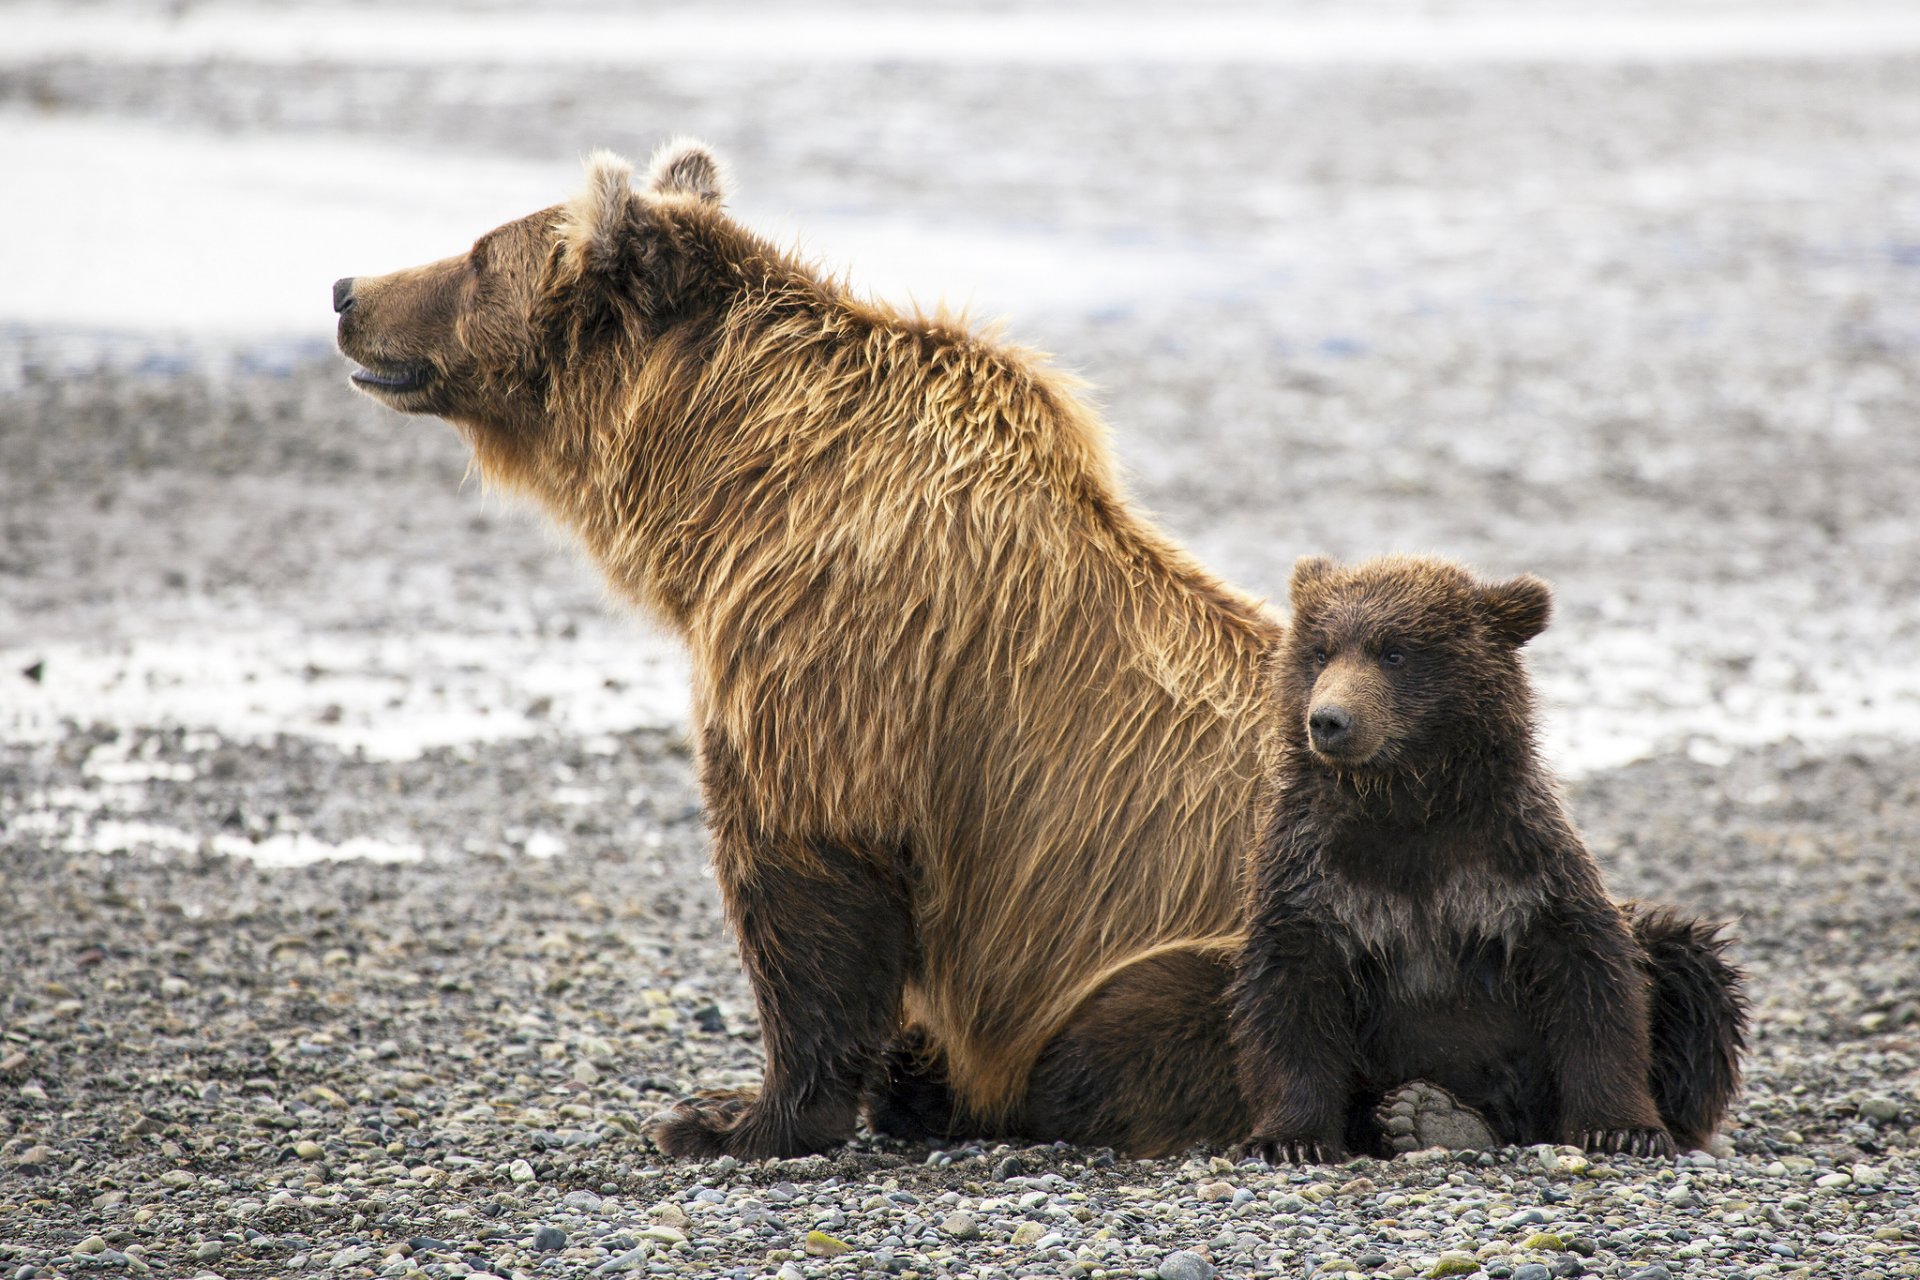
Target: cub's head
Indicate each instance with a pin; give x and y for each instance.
(1401, 663)
(480, 338)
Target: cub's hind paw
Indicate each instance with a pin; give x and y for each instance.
(1295, 1151)
(700, 1127)
(1656, 1143)
(1419, 1115)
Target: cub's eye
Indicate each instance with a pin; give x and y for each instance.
(1319, 657)
(1393, 658)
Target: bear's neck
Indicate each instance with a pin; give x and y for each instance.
(1481, 787)
(791, 455)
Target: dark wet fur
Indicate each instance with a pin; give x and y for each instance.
(1424, 910)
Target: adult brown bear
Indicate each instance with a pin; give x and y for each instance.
(977, 742)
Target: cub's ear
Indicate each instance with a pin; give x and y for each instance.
(1310, 575)
(683, 167)
(1517, 610)
(594, 223)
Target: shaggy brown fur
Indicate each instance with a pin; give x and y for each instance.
(1422, 909)
(976, 740)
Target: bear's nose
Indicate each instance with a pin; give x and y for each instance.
(1329, 726)
(342, 294)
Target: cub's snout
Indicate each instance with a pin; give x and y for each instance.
(1348, 714)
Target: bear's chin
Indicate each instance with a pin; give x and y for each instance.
(396, 385)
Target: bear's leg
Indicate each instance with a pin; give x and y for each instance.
(1699, 1015)
(826, 936)
(1145, 1064)
(826, 945)
(1590, 1001)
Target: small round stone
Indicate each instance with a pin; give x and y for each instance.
(549, 1240)
(960, 1226)
(1185, 1265)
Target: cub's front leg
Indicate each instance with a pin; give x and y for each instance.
(1293, 1032)
(1589, 996)
(826, 937)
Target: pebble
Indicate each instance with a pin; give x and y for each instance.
(581, 1201)
(1530, 1271)
(92, 1244)
(821, 1245)
(549, 1240)
(961, 1226)
(1185, 1265)
(632, 1260)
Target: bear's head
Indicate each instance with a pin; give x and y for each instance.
(1402, 665)
(480, 338)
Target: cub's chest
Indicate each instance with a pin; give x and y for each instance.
(1417, 906)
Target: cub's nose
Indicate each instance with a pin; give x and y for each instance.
(1329, 726)
(342, 294)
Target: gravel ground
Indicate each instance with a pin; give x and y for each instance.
(1653, 332)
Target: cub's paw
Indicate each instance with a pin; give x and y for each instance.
(1294, 1150)
(1420, 1115)
(703, 1126)
(1627, 1142)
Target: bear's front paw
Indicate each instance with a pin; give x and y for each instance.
(1294, 1149)
(701, 1127)
(1654, 1142)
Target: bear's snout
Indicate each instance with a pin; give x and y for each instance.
(1329, 727)
(342, 295)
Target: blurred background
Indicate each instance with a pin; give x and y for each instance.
(1624, 294)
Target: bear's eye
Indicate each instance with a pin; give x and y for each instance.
(1319, 656)
(1394, 658)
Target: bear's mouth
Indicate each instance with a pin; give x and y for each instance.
(393, 379)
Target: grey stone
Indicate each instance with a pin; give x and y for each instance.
(549, 1240)
(1880, 1110)
(960, 1226)
(1185, 1265)
(1530, 1271)
(633, 1259)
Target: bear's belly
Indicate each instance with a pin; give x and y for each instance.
(1478, 1045)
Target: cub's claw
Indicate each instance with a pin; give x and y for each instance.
(1655, 1143)
(1294, 1151)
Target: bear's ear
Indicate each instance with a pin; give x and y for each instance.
(593, 223)
(1517, 610)
(1310, 574)
(683, 167)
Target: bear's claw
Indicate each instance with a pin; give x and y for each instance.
(698, 1127)
(1656, 1143)
(1294, 1151)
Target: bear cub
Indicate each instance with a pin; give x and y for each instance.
(1422, 910)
